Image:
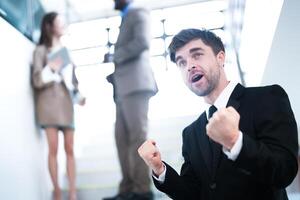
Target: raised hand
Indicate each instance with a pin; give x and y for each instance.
(55, 64)
(151, 155)
(223, 127)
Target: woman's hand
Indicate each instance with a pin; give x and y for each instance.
(55, 64)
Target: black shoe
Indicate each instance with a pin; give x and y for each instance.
(123, 196)
(142, 196)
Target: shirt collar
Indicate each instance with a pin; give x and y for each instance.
(125, 10)
(223, 98)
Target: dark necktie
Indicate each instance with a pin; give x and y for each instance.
(211, 111)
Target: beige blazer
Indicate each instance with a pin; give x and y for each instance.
(53, 101)
(133, 72)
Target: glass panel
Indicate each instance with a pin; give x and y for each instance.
(36, 15)
(90, 56)
(87, 34)
(157, 47)
(200, 8)
(158, 63)
(17, 14)
(175, 22)
(25, 16)
(156, 24)
(172, 91)
(113, 34)
(113, 22)
(168, 41)
(157, 28)
(112, 49)
(221, 34)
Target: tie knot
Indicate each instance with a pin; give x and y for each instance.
(211, 111)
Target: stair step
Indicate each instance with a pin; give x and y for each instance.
(98, 194)
(98, 170)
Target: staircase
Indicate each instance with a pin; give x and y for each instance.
(98, 171)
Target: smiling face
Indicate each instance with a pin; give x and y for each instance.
(200, 68)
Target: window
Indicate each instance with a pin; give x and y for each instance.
(24, 15)
(92, 39)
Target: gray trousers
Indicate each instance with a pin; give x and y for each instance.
(130, 132)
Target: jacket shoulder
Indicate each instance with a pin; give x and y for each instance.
(140, 9)
(40, 49)
(188, 129)
(269, 89)
(138, 12)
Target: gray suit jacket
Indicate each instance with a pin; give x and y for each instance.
(133, 72)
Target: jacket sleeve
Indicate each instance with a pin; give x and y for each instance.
(74, 78)
(140, 39)
(183, 186)
(37, 68)
(271, 157)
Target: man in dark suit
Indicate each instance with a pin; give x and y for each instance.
(134, 85)
(246, 150)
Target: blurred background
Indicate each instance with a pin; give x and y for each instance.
(262, 44)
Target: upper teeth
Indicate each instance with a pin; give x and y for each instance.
(195, 77)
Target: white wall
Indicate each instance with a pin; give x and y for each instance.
(260, 20)
(23, 170)
(283, 65)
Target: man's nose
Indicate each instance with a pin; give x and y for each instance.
(191, 67)
(191, 64)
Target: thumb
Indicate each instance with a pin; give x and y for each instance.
(152, 142)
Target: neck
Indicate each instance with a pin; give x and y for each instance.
(212, 97)
(124, 7)
(55, 41)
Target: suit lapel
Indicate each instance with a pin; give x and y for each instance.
(201, 136)
(203, 140)
(217, 148)
(234, 97)
(123, 27)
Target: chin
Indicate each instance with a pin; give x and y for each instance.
(200, 92)
(196, 91)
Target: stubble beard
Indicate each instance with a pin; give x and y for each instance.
(212, 83)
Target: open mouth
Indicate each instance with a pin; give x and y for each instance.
(196, 77)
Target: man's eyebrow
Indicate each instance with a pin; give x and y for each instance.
(191, 51)
(196, 49)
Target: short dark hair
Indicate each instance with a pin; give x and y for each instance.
(186, 35)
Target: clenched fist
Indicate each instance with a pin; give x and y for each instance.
(151, 155)
(223, 127)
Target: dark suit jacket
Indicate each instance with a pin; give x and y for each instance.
(266, 164)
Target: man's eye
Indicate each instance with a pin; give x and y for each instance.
(181, 63)
(197, 55)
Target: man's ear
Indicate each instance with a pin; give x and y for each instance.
(221, 58)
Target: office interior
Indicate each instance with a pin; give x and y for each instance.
(262, 44)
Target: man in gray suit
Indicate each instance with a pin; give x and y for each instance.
(134, 85)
